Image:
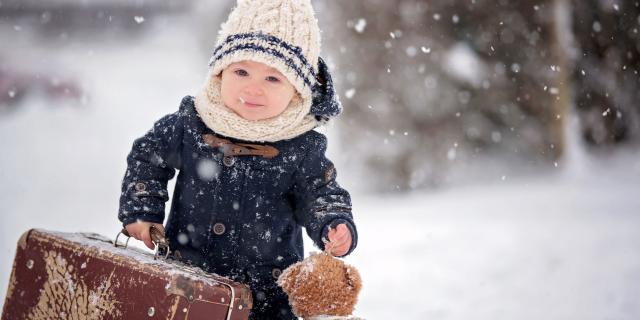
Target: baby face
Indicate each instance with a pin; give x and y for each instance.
(255, 91)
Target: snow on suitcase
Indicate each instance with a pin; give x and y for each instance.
(84, 276)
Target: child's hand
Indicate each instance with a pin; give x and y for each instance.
(339, 240)
(140, 231)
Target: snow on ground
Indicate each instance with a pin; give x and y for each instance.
(555, 246)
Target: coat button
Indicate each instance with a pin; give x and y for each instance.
(276, 273)
(228, 161)
(141, 186)
(219, 228)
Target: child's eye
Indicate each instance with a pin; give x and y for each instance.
(241, 72)
(272, 79)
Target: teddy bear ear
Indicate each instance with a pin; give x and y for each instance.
(353, 278)
(288, 277)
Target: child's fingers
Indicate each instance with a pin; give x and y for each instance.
(146, 238)
(342, 227)
(340, 245)
(339, 240)
(339, 250)
(132, 231)
(339, 234)
(336, 250)
(328, 247)
(338, 230)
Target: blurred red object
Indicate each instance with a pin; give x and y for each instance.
(15, 85)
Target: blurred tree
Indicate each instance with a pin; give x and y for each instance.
(430, 85)
(61, 19)
(607, 66)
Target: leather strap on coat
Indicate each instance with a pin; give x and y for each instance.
(240, 149)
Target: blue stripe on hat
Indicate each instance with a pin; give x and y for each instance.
(295, 50)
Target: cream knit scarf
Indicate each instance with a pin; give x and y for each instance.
(292, 122)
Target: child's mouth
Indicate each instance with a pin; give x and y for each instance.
(249, 104)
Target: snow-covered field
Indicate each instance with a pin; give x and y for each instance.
(544, 248)
(562, 245)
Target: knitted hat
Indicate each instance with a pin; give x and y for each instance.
(282, 34)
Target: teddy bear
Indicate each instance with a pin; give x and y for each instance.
(321, 287)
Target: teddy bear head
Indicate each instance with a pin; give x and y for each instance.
(321, 285)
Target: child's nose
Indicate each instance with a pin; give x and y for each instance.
(254, 90)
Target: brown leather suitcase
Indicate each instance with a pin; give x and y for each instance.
(84, 276)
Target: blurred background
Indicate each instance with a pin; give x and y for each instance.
(491, 147)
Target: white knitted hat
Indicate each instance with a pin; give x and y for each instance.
(283, 34)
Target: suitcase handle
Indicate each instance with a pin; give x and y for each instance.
(157, 237)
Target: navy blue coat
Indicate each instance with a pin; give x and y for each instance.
(241, 218)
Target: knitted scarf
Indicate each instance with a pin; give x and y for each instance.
(292, 122)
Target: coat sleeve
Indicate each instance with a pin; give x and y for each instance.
(151, 163)
(320, 201)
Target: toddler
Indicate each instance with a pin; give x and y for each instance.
(251, 170)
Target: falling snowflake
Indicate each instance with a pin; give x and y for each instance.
(183, 239)
(597, 27)
(411, 51)
(515, 68)
(452, 154)
(360, 25)
(207, 170)
(496, 136)
(350, 93)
